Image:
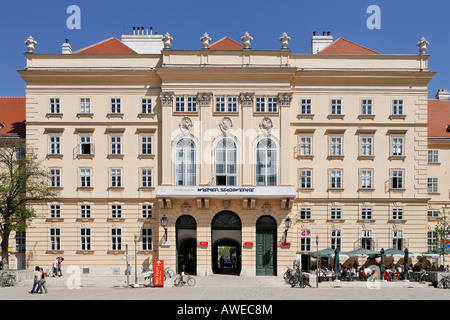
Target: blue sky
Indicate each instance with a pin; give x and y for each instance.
(403, 23)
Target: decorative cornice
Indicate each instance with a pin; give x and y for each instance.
(247, 98)
(285, 99)
(204, 98)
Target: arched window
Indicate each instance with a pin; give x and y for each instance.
(266, 163)
(185, 163)
(226, 162)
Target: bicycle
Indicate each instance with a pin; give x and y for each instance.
(444, 283)
(287, 275)
(187, 279)
(7, 279)
(168, 273)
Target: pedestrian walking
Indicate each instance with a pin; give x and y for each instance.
(61, 259)
(55, 267)
(43, 280)
(37, 280)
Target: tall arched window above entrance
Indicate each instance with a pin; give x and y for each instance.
(185, 163)
(226, 162)
(266, 163)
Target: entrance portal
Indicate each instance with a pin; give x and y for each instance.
(186, 227)
(226, 237)
(266, 249)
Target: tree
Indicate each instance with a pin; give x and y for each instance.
(442, 230)
(22, 182)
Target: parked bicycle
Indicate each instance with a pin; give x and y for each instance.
(7, 279)
(186, 279)
(444, 283)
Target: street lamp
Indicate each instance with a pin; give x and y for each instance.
(288, 223)
(317, 255)
(164, 221)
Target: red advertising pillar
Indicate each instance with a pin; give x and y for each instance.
(158, 273)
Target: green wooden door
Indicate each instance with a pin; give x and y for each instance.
(265, 252)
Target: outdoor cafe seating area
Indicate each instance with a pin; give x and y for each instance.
(364, 264)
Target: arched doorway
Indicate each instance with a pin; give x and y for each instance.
(226, 234)
(186, 228)
(266, 249)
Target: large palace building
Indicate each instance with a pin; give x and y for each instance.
(262, 155)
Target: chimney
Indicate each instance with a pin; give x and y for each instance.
(66, 48)
(319, 42)
(443, 95)
(143, 41)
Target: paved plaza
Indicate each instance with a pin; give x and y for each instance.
(222, 287)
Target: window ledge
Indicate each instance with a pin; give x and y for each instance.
(366, 116)
(85, 252)
(85, 188)
(54, 220)
(146, 188)
(84, 220)
(115, 219)
(85, 115)
(336, 220)
(305, 116)
(115, 252)
(365, 221)
(335, 157)
(336, 116)
(397, 158)
(306, 189)
(265, 113)
(366, 189)
(115, 115)
(54, 115)
(55, 156)
(146, 156)
(54, 251)
(115, 156)
(85, 156)
(366, 157)
(397, 221)
(397, 116)
(146, 115)
(305, 157)
(335, 189)
(398, 190)
(116, 188)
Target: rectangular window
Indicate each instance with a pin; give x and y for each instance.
(267, 104)
(336, 179)
(186, 104)
(55, 105)
(305, 240)
(366, 146)
(433, 213)
(366, 179)
(305, 107)
(85, 178)
(116, 178)
(306, 179)
(220, 104)
(147, 211)
(55, 211)
(55, 144)
(55, 178)
(146, 145)
(336, 146)
(397, 179)
(366, 107)
(147, 239)
(146, 178)
(232, 104)
(86, 147)
(335, 213)
(55, 239)
(146, 106)
(397, 107)
(397, 213)
(336, 106)
(305, 146)
(305, 213)
(335, 237)
(366, 213)
(21, 237)
(116, 239)
(433, 156)
(116, 145)
(432, 240)
(116, 211)
(397, 239)
(85, 239)
(116, 105)
(366, 239)
(85, 211)
(397, 146)
(85, 105)
(433, 185)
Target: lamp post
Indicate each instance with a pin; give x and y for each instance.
(164, 221)
(135, 259)
(317, 255)
(288, 223)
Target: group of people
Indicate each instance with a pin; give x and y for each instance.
(39, 282)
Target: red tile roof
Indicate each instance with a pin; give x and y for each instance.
(12, 116)
(344, 46)
(226, 43)
(438, 118)
(111, 45)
